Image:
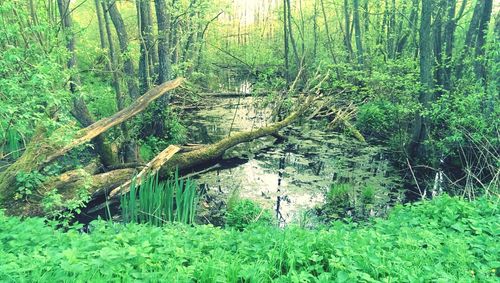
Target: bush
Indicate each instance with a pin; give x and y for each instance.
(245, 213)
(383, 120)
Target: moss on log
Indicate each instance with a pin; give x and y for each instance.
(216, 150)
(44, 149)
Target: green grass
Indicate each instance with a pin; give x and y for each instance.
(158, 203)
(443, 240)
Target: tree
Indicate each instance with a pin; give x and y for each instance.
(163, 44)
(79, 108)
(100, 24)
(123, 39)
(479, 65)
(420, 126)
(148, 58)
(357, 32)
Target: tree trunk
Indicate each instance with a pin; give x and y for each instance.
(79, 108)
(127, 151)
(100, 24)
(155, 125)
(142, 23)
(438, 45)
(479, 63)
(449, 38)
(420, 127)
(357, 31)
(163, 45)
(285, 42)
(315, 30)
(329, 38)
(470, 38)
(290, 33)
(123, 39)
(347, 33)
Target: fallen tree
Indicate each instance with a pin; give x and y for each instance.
(45, 149)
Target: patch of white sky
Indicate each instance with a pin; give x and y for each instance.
(248, 11)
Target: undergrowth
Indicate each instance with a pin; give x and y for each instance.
(443, 240)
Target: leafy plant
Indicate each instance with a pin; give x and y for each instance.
(245, 213)
(157, 203)
(62, 211)
(28, 183)
(443, 240)
(338, 202)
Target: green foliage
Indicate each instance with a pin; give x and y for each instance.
(62, 211)
(344, 200)
(158, 203)
(245, 213)
(176, 133)
(377, 118)
(32, 77)
(27, 184)
(31, 183)
(11, 144)
(464, 119)
(443, 240)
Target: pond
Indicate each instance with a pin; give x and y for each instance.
(293, 175)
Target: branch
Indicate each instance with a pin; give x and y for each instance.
(151, 168)
(86, 134)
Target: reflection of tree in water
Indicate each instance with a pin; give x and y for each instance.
(294, 173)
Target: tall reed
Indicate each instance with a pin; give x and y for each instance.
(157, 203)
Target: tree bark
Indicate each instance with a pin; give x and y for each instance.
(438, 45)
(479, 63)
(127, 151)
(144, 74)
(163, 45)
(79, 108)
(357, 31)
(43, 149)
(470, 38)
(123, 39)
(285, 42)
(100, 24)
(329, 38)
(290, 33)
(420, 127)
(449, 38)
(347, 33)
(148, 58)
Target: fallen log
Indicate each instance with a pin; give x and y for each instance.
(233, 94)
(216, 150)
(45, 148)
(151, 168)
(167, 161)
(101, 126)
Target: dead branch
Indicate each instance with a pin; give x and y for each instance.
(101, 126)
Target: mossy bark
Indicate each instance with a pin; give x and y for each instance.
(45, 148)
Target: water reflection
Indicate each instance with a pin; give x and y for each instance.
(293, 175)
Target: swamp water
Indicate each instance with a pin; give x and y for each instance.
(293, 175)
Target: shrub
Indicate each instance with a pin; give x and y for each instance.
(245, 213)
(382, 119)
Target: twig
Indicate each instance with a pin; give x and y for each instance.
(414, 178)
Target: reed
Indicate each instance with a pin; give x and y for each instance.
(157, 203)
